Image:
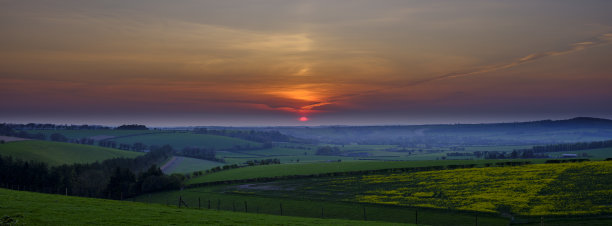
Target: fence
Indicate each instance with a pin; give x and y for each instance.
(372, 212)
(346, 210)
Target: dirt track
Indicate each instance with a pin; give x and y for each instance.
(11, 139)
(175, 161)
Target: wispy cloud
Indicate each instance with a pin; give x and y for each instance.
(600, 40)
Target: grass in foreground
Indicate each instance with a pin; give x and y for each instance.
(56, 153)
(295, 205)
(42, 209)
(566, 189)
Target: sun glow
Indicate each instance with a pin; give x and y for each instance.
(303, 119)
(298, 94)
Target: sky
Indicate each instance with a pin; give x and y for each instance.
(284, 62)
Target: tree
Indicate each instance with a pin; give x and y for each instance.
(119, 184)
(132, 127)
(58, 137)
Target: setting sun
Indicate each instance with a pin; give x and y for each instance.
(303, 119)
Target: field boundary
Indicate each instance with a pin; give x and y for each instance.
(351, 173)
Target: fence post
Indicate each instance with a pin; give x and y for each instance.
(246, 210)
(364, 214)
(234, 206)
(322, 212)
(476, 220)
(416, 216)
(179, 202)
(281, 208)
(209, 204)
(218, 204)
(199, 206)
(541, 220)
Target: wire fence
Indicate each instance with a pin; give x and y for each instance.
(348, 210)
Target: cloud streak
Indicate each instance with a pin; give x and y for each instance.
(600, 40)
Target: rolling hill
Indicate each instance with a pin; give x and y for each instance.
(56, 153)
(181, 140)
(27, 208)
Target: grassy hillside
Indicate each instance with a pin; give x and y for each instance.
(327, 167)
(564, 194)
(78, 134)
(537, 189)
(43, 209)
(56, 153)
(187, 165)
(181, 140)
(295, 205)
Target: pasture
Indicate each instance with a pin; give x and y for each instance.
(188, 165)
(78, 134)
(28, 208)
(326, 167)
(295, 205)
(179, 140)
(57, 153)
(561, 194)
(530, 190)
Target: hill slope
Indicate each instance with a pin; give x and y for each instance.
(182, 140)
(42, 209)
(56, 153)
(581, 129)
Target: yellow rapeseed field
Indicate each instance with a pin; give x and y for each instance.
(539, 189)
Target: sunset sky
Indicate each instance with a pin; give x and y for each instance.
(258, 63)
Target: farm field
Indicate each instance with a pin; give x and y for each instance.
(28, 208)
(285, 155)
(78, 134)
(188, 165)
(563, 189)
(181, 140)
(295, 205)
(327, 167)
(57, 153)
(600, 153)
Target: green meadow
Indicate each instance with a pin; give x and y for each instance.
(295, 205)
(57, 153)
(188, 165)
(327, 167)
(78, 134)
(179, 140)
(28, 208)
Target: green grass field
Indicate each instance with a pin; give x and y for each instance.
(565, 194)
(78, 134)
(29, 208)
(297, 206)
(326, 167)
(536, 189)
(57, 153)
(600, 153)
(188, 165)
(181, 140)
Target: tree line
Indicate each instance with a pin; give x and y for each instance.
(252, 135)
(113, 178)
(542, 150)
